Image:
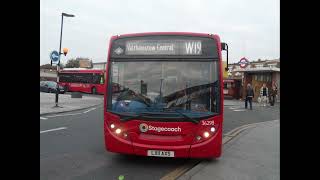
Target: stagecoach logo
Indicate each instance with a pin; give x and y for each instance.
(143, 127)
(118, 51)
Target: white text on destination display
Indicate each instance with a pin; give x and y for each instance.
(163, 47)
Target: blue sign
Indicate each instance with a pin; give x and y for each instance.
(54, 56)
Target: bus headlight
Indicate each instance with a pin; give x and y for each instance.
(213, 129)
(118, 131)
(112, 126)
(206, 134)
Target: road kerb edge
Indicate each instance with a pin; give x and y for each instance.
(79, 109)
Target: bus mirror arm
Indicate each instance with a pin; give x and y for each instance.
(225, 47)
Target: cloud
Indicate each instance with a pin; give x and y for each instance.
(250, 27)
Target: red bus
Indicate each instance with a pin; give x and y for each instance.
(170, 97)
(232, 88)
(82, 80)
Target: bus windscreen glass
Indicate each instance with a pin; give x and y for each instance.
(154, 86)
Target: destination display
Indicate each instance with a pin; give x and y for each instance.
(164, 46)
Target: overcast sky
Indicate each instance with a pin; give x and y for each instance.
(250, 27)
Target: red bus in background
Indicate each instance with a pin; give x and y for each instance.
(232, 88)
(169, 101)
(82, 80)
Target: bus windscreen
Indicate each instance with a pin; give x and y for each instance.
(190, 87)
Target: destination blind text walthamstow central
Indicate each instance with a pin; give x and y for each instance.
(156, 47)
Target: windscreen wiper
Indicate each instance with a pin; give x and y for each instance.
(128, 118)
(142, 114)
(184, 115)
(136, 117)
(188, 117)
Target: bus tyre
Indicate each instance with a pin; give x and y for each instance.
(66, 88)
(94, 90)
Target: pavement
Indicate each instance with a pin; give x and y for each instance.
(66, 103)
(241, 103)
(253, 154)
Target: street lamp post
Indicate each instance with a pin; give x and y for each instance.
(58, 65)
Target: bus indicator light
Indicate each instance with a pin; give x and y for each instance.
(125, 135)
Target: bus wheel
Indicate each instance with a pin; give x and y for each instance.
(66, 88)
(94, 90)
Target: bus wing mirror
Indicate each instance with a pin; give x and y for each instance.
(224, 47)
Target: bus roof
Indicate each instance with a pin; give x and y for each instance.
(81, 70)
(75, 69)
(166, 33)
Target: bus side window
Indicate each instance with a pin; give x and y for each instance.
(101, 80)
(225, 85)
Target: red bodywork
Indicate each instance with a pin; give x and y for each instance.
(184, 143)
(83, 87)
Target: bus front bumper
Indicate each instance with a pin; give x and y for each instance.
(210, 148)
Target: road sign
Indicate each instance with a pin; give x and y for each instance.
(54, 56)
(243, 62)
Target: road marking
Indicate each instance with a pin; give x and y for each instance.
(44, 118)
(89, 110)
(239, 110)
(63, 115)
(180, 170)
(56, 129)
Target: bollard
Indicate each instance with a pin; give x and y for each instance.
(57, 97)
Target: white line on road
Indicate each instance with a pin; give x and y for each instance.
(239, 110)
(64, 115)
(89, 110)
(234, 107)
(43, 118)
(56, 129)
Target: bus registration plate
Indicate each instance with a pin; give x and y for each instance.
(159, 153)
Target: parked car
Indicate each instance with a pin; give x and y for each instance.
(50, 87)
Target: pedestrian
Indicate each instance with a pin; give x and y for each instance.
(264, 94)
(273, 94)
(249, 96)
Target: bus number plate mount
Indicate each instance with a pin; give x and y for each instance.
(160, 153)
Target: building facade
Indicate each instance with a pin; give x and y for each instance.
(257, 73)
(99, 65)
